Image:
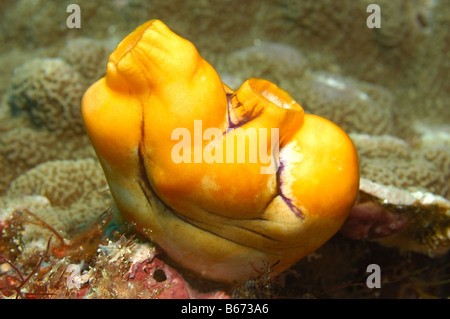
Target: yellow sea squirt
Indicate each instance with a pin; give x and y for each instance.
(224, 218)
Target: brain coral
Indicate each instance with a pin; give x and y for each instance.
(392, 161)
(40, 118)
(356, 106)
(75, 193)
(62, 182)
(276, 62)
(22, 148)
(49, 91)
(87, 56)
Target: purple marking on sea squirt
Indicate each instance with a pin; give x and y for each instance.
(230, 121)
(246, 118)
(297, 211)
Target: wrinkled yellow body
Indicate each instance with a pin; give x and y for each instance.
(225, 219)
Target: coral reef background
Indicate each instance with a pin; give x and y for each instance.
(387, 87)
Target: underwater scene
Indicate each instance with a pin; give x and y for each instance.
(225, 149)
